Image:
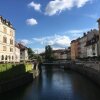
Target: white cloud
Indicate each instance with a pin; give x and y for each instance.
(38, 50)
(93, 16)
(74, 34)
(55, 41)
(25, 42)
(76, 31)
(57, 6)
(31, 22)
(34, 5)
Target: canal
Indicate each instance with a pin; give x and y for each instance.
(56, 84)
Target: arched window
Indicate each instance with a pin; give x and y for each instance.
(6, 57)
(2, 57)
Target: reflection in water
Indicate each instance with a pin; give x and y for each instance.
(56, 84)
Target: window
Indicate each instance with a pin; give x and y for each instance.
(11, 33)
(4, 48)
(2, 57)
(4, 40)
(9, 57)
(11, 41)
(11, 49)
(6, 57)
(12, 57)
(4, 29)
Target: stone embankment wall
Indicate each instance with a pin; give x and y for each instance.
(16, 82)
(90, 70)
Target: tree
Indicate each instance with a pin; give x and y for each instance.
(48, 53)
(31, 54)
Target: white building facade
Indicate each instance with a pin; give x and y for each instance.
(23, 52)
(82, 47)
(92, 46)
(7, 41)
(17, 53)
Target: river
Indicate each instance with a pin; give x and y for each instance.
(56, 84)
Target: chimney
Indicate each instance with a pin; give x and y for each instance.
(98, 24)
(84, 34)
(0, 18)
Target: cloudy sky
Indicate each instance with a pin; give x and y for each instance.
(54, 22)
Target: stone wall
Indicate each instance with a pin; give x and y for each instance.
(91, 71)
(16, 82)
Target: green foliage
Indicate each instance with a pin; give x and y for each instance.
(31, 54)
(9, 71)
(48, 53)
(39, 58)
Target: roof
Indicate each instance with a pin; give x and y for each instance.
(6, 22)
(22, 47)
(94, 40)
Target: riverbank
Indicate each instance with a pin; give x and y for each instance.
(13, 76)
(92, 71)
(16, 82)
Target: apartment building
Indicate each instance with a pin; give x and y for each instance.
(99, 34)
(82, 46)
(23, 52)
(7, 41)
(74, 49)
(92, 43)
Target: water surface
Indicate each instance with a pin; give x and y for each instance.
(56, 84)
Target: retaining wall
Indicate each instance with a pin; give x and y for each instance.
(89, 72)
(16, 82)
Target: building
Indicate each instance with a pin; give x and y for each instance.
(23, 52)
(17, 52)
(60, 54)
(64, 54)
(69, 53)
(74, 49)
(82, 46)
(99, 34)
(57, 54)
(7, 41)
(92, 44)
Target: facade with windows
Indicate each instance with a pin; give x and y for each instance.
(23, 52)
(92, 46)
(82, 51)
(74, 49)
(7, 38)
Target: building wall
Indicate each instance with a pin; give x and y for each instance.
(92, 52)
(57, 55)
(74, 50)
(24, 55)
(82, 47)
(7, 50)
(64, 56)
(99, 36)
(17, 54)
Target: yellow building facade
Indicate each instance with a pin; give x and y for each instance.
(74, 49)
